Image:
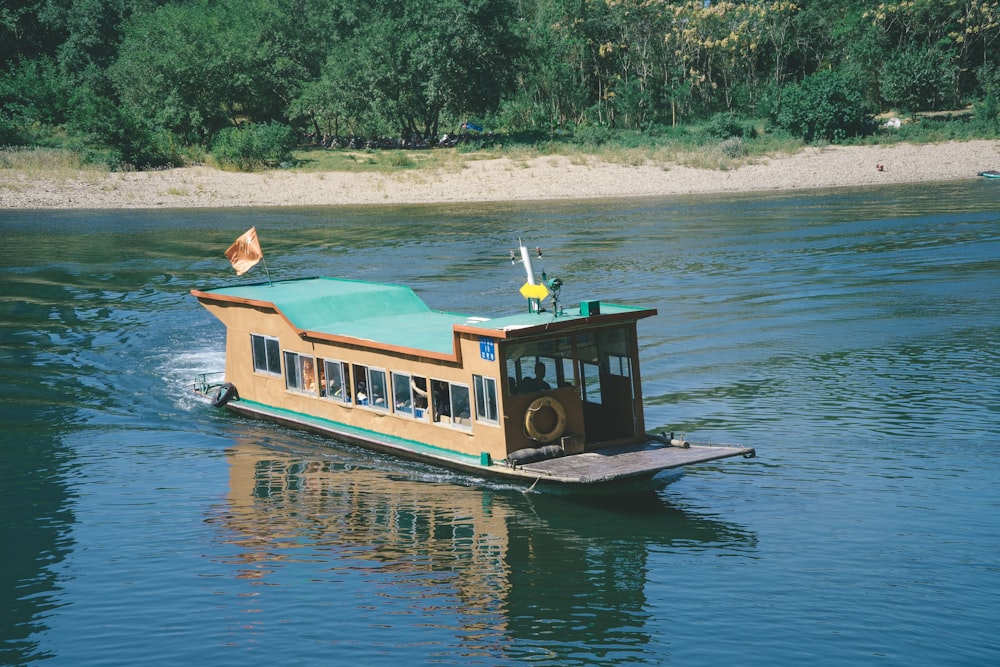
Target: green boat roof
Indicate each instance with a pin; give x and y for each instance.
(383, 313)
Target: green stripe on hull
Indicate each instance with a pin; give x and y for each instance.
(414, 447)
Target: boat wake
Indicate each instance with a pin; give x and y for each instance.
(179, 370)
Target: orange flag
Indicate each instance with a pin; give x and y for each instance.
(245, 252)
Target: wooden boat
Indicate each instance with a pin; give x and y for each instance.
(990, 174)
(547, 396)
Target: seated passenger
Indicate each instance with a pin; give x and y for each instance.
(536, 383)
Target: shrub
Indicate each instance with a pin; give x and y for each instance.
(987, 110)
(733, 148)
(119, 136)
(592, 135)
(253, 146)
(727, 125)
(824, 106)
(987, 114)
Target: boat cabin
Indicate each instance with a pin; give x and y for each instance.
(371, 362)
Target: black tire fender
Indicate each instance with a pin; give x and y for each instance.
(223, 394)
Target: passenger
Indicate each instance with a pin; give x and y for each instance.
(308, 376)
(536, 383)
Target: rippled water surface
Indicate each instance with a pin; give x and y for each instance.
(852, 337)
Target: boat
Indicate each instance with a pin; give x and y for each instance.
(550, 395)
(990, 173)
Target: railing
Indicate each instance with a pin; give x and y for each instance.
(205, 382)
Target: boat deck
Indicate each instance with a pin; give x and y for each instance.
(621, 463)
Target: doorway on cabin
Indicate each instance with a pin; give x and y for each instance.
(607, 386)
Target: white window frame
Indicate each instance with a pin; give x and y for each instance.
(402, 395)
(455, 406)
(405, 399)
(368, 401)
(345, 381)
(487, 405)
(300, 383)
(451, 420)
(267, 342)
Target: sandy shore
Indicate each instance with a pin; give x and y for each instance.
(543, 178)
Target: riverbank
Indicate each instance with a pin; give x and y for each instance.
(497, 179)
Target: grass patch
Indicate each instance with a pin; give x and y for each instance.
(48, 161)
(689, 149)
(323, 159)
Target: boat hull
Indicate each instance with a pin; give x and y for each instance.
(605, 468)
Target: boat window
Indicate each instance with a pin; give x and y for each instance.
(409, 395)
(619, 365)
(539, 366)
(266, 354)
(333, 383)
(451, 403)
(591, 375)
(460, 406)
(566, 376)
(370, 387)
(441, 397)
(402, 395)
(605, 364)
(533, 373)
(378, 388)
(300, 373)
(486, 399)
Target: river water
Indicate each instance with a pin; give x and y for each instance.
(851, 336)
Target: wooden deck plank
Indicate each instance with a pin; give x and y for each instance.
(629, 462)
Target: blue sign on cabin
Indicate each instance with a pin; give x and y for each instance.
(487, 348)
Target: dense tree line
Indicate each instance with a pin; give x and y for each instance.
(151, 78)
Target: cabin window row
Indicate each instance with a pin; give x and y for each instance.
(378, 389)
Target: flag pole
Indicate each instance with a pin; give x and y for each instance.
(264, 262)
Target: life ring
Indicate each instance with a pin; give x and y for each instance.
(531, 414)
(224, 394)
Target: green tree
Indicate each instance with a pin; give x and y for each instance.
(403, 63)
(826, 106)
(23, 33)
(555, 73)
(172, 69)
(197, 67)
(34, 92)
(919, 79)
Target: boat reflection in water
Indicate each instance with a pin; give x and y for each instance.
(499, 564)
